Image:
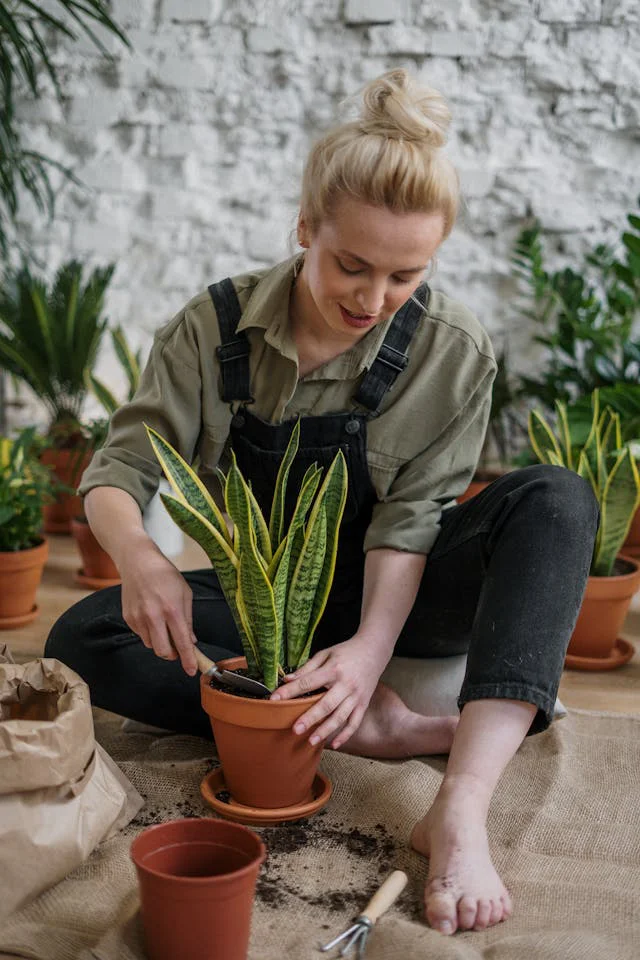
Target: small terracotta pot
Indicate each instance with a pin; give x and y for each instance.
(603, 611)
(631, 546)
(98, 568)
(20, 576)
(68, 467)
(265, 763)
(197, 881)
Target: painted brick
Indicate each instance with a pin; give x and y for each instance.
(569, 11)
(375, 11)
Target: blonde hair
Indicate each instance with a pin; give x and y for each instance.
(390, 156)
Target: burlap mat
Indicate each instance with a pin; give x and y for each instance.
(564, 828)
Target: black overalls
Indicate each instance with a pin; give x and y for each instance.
(503, 581)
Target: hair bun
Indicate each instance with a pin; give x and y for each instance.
(395, 106)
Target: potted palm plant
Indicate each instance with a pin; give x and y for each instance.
(25, 486)
(49, 338)
(276, 577)
(610, 467)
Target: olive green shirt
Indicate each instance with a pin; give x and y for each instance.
(422, 449)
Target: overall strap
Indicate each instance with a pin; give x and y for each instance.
(392, 358)
(233, 352)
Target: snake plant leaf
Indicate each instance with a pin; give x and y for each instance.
(542, 437)
(554, 459)
(565, 434)
(238, 503)
(305, 497)
(620, 500)
(260, 529)
(304, 585)
(276, 520)
(250, 648)
(591, 445)
(187, 485)
(331, 499)
(256, 598)
(585, 471)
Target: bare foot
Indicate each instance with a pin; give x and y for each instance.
(391, 731)
(463, 890)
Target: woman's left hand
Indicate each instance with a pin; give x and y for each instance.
(350, 671)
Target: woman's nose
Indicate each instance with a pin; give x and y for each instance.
(371, 299)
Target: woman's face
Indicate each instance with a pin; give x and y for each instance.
(361, 266)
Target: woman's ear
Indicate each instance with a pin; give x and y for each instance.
(303, 233)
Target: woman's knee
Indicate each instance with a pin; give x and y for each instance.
(558, 492)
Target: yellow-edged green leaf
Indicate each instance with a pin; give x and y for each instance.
(305, 497)
(585, 471)
(554, 459)
(238, 503)
(590, 448)
(260, 529)
(186, 483)
(565, 435)
(276, 520)
(102, 394)
(331, 499)
(304, 584)
(542, 437)
(619, 502)
(259, 603)
(254, 665)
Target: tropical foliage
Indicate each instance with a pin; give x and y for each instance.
(130, 362)
(28, 30)
(276, 578)
(25, 486)
(49, 338)
(585, 316)
(605, 461)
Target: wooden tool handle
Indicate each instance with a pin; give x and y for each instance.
(204, 664)
(386, 895)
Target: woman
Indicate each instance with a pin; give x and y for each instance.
(347, 337)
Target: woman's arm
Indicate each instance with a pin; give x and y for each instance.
(351, 670)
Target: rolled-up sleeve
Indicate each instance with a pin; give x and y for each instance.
(169, 400)
(407, 517)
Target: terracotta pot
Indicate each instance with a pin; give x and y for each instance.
(68, 467)
(603, 611)
(197, 881)
(98, 569)
(480, 481)
(265, 763)
(20, 576)
(631, 546)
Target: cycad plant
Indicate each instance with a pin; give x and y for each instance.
(276, 578)
(604, 461)
(49, 339)
(131, 364)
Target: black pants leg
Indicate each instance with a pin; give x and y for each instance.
(504, 582)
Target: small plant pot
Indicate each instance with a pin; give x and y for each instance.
(197, 880)
(20, 576)
(631, 546)
(98, 569)
(602, 614)
(266, 765)
(68, 466)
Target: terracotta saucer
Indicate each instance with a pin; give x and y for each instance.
(621, 653)
(214, 783)
(7, 623)
(94, 583)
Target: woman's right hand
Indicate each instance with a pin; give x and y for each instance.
(157, 605)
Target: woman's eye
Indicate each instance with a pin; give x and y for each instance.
(348, 269)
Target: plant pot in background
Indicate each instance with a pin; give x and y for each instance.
(595, 642)
(98, 569)
(20, 576)
(266, 765)
(480, 481)
(68, 466)
(197, 881)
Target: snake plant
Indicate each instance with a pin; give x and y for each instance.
(276, 577)
(603, 460)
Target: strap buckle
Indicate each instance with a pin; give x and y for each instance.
(392, 358)
(236, 349)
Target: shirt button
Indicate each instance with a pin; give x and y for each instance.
(237, 420)
(352, 426)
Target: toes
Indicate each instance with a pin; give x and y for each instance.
(441, 912)
(483, 915)
(467, 911)
(419, 839)
(497, 912)
(507, 906)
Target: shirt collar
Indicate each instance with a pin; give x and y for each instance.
(268, 309)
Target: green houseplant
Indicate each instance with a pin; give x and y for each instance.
(25, 486)
(610, 468)
(49, 339)
(276, 578)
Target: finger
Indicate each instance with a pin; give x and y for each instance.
(352, 726)
(181, 639)
(323, 708)
(160, 641)
(317, 660)
(307, 684)
(334, 722)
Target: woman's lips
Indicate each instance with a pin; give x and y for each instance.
(355, 321)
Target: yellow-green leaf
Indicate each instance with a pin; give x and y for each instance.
(542, 437)
(276, 521)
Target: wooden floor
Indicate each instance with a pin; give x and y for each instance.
(613, 690)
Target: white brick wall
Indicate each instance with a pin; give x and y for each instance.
(191, 146)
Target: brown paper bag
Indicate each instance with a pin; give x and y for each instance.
(60, 793)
